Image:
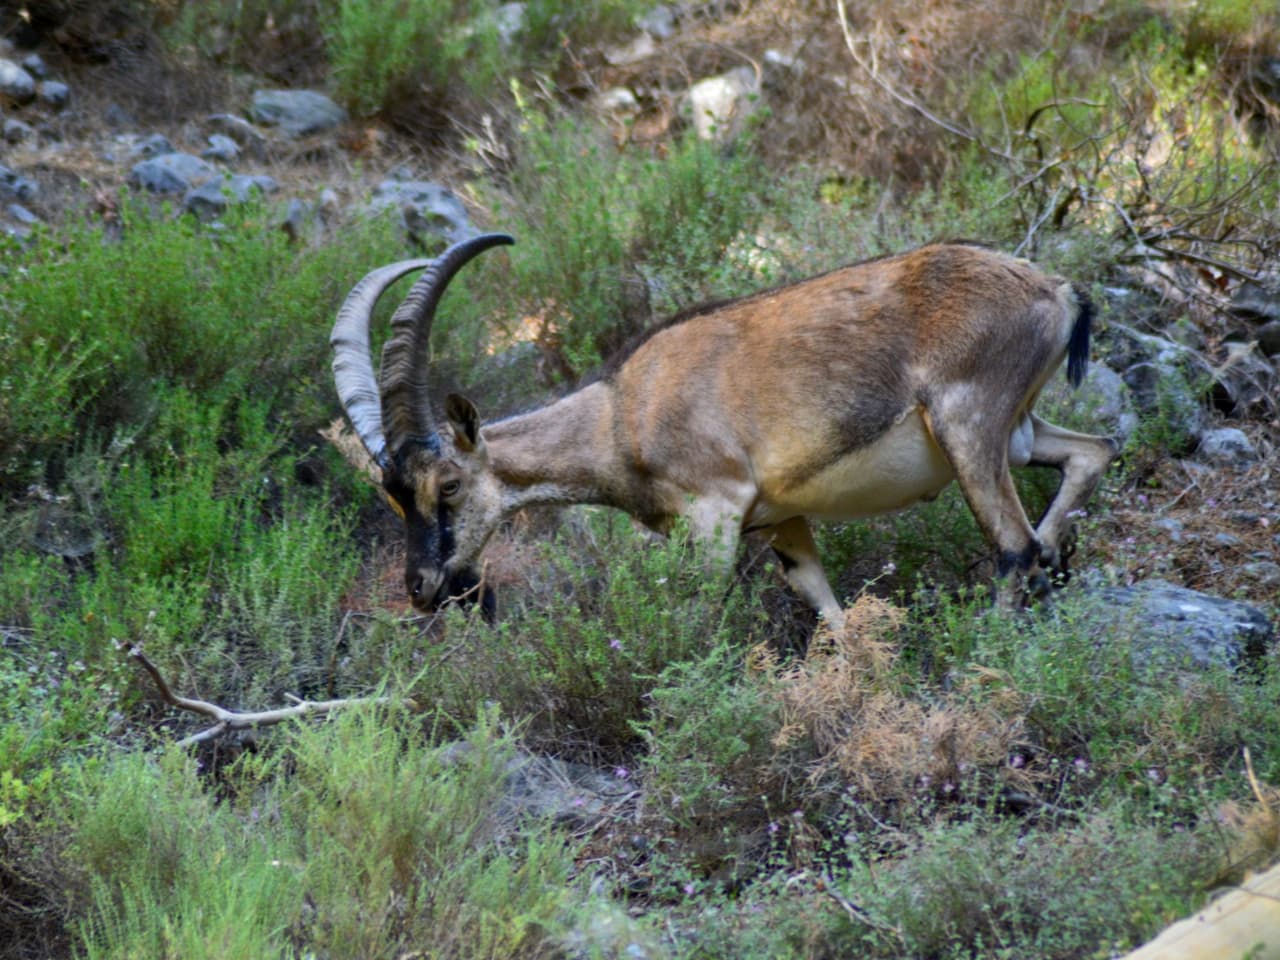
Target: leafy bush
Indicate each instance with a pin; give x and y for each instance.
(111, 325)
(354, 841)
(616, 237)
(578, 656)
(709, 739)
(988, 888)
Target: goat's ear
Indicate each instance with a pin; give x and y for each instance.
(464, 418)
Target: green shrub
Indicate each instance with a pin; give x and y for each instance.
(612, 238)
(579, 652)
(709, 739)
(354, 841)
(109, 327)
(991, 888)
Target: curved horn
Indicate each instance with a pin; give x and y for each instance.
(406, 406)
(352, 361)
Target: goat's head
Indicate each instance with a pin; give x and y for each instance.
(435, 476)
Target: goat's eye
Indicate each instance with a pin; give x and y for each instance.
(450, 487)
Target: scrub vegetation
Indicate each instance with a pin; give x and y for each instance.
(937, 781)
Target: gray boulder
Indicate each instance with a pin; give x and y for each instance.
(296, 112)
(1266, 78)
(155, 145)
(1226, 445)
(221, 147)
(570, 793)
(14, 186)
(171, 173)
(1172, 627)
(15, 131)
(428, 211)
(1102, 404)
(720, 105)
(53, 93)
(16, 85)
(212, 197)
(1256, 301)
(1160, 390)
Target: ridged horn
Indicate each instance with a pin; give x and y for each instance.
(352, 359)
(406, 403)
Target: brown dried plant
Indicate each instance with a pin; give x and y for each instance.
(1253, 830)
(844, 698)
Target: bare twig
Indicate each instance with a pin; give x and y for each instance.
(229, 720)
(856, 913)
(873, 71)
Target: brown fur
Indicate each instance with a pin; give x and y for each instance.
(850, 393)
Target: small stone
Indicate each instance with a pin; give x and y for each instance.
(1226, 445)
(15, 131)
(34, 64)
(720, 104)
(16, 85)
(660, 21)
(296, 112)
(54, 94)
(118, 117)
(171, 173)
(156, 145)
(1265, 573)
(244, 133)
(221, 147)
(509, 20)
(1269, 338)
(641, 48)
(616, 100)
(330, 205)
(14, 186)
(21, 214)
(295, 219)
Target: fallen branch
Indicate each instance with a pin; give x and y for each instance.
(228, 720)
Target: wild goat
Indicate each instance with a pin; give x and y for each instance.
(853, 393)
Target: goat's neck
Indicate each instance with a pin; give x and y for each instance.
(561, 453)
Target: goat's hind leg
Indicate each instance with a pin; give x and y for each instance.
(980, 459)
(1082, 459)
(792, 541)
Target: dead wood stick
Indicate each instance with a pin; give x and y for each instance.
(229, 720)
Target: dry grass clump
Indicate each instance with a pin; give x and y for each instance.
(1253, 829)
(844, 698)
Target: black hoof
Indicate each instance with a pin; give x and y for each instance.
(1038, 586)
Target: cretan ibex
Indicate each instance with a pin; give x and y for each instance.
(853, 393)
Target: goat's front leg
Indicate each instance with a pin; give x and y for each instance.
(716, 524)
(793, 542)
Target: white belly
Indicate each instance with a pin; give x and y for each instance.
(902, 467)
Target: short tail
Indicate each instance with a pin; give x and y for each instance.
(1078, 345)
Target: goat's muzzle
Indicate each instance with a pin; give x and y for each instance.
(430, 590)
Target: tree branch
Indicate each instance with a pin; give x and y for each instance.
(226, 720)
